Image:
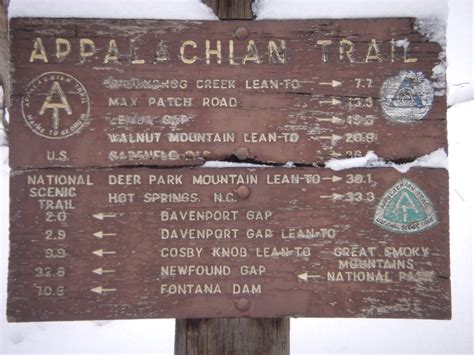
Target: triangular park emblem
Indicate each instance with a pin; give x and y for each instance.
(405, 208)
(406, 96)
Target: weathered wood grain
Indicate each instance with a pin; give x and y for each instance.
(322, 105)
(231, 10)
(229, 336)
(70, 228)
(252, 332)
(4, 59)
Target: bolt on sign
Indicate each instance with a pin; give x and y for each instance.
(99, 231)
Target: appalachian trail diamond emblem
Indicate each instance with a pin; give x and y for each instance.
(405, 208)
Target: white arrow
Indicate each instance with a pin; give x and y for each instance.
(101, 271)
(333, 196)
(304, 276)
(335, 155)
(103, 215)
(333, 119)
(333, 102)
(102, 252)
(333, 83)
(334, 138)
(333, 178)
(100, 290)
(101, 234)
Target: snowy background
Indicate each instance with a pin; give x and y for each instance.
(310, 335)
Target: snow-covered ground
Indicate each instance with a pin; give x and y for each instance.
(307, 335)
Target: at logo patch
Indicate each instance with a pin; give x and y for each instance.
(406, 97)
(405, 208)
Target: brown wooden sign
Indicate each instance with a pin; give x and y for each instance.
(262, 242)
(114, 93)
(93, 236)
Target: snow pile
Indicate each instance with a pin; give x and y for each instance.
(132, 9)
(460, 46)
(361, 162)
(4, 168)
(436, 159)
(459, 93)
(299, 9)
(434, 29)
(3, 117)
(3, 137)
(196, 10)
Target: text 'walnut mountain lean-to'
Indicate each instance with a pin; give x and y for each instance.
(101, 230)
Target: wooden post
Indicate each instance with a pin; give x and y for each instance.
(231, 9)
(226, 336)
(232, 336)
(4, 61)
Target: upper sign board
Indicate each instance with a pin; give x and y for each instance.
(116, 92)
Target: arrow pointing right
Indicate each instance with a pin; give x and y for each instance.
(334, 138)
(333, 196)
(333, 83)
(333, 178)
(335, 154)
(333, 119)
(332, 101)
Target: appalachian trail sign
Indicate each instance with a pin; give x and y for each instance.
(113, 215)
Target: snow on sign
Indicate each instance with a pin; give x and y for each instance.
(99, 231)
(112, 93)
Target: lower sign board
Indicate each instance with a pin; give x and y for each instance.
(228, 242)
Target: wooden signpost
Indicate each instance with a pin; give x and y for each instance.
(100, 230)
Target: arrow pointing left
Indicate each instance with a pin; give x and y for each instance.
(101, 234)
(102, 252)
(101, 271)
(305, 276)
(102, 215)
(100, 290)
